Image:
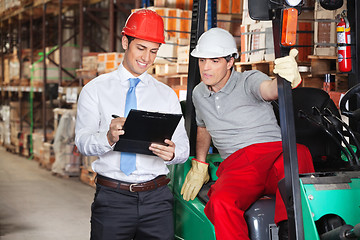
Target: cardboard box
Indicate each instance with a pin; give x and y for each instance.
(183, 54)
(185, 24)
(177, 22)
(89, 62)
(165, 69)
(107, 62)
(167, 52)
(181, 4)
(229, 6)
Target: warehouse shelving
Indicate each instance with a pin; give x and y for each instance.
(33, 26)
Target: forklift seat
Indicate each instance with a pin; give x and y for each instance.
(325, 152)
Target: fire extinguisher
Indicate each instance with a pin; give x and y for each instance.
(344, 41)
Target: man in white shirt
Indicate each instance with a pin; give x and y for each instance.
(135, 204)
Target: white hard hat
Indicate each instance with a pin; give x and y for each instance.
(215, 43)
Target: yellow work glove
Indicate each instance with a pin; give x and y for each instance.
(287, 68)
(195, 179)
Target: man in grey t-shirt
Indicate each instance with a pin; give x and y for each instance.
(233, 110)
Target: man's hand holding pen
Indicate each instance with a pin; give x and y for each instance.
(115, 129)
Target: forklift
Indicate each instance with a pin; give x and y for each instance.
(324, 205)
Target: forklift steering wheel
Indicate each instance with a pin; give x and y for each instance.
(349, 94)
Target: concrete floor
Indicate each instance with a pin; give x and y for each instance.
(35, 205)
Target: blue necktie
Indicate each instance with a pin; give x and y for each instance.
(128, 160)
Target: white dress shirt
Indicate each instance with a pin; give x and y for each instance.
(106, 95)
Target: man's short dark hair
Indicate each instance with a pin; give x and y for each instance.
(130, 38)
(228, 58)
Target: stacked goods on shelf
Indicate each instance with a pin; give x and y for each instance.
(182, 4)
(12, 69)
(7, 6)
(94, 64)
(223, 6)
(5, 117)
(171, 64)
(231, 22)
(12, 136)
(89, 68)
(107, 62)
(15, 131)
(177, 22)
(229, 6)
(257, 38)
(70, 62)
(324, 60)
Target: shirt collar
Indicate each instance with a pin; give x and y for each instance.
(229, 86)
(125, 75)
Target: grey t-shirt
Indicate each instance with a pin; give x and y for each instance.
(236, 116)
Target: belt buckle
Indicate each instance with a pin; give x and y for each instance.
(131, 186)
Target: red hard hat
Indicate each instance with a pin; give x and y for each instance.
(145, 24)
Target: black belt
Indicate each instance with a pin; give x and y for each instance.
(134, 187)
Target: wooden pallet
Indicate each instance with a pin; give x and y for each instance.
(321, 65)
(87, 176)
(46, 163)
(173, 79)
(60, 175)
(10, 148)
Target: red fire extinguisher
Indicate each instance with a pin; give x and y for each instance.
(344, 41)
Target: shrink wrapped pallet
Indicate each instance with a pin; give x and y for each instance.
(5, 116)
(67, 159)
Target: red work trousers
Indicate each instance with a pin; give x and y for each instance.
(244, 177)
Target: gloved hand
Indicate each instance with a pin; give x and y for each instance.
(196, 177)
(287, 68)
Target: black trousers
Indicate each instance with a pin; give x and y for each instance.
(123, 215)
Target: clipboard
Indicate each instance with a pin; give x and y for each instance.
(143, 128)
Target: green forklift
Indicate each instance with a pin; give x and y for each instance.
(324, 205)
